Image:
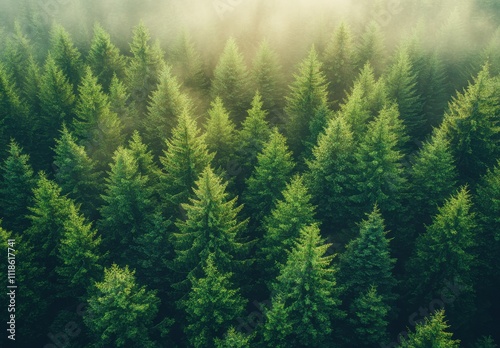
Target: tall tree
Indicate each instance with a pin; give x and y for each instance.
(431, 333)
(143, 70)
(66, 55)
(120, 103)
(306, 296)
(183, 161)
(211, 306)
(371, 49)
(167, 103)
(121, 312)
(339, 61)
(17, 182)
(231, 81)
(264, 187)
(308, 93)
(104, 58)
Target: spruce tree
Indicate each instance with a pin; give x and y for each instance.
(121, 312)
(143, 70)
(76, 174)
(282, 227)
(212, 305)
(269, 178)
(328, 175)
(431, 333)
(104, 58)
(121, 104)
(371, 49)
(66, 55)
(308, 93)
(17, 182)
(235, 339)
(306, 300)
(183, 161)
(231, 81)
(166, 105)
(339, 61)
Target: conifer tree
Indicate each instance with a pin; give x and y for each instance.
(121, 104)
(183, 161)
(211, 306)
(267, 78)
(17, 54)
(443, 254)
(231, 81)
(121, 312)
(31, 87)
(372, 49)
(143, 70)
(431, 333)
(95, 126)
(339, 61)
(472, 127)
(189, 65)
(235, 339)
(17, 182)
(308, 93)
(166, 105)
(76, 173)
(66, 55)
(212, 227)
(329, 170)
(104, 58)
(254, 133)
(220, 135)
(264, 187)
(306, 300)
(282, 227)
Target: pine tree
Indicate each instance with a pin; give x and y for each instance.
(472, 127)
(282, 227)
(76, 173)
(17, 183)
(367, 262)
(231, 81)
(254, 133)
(211, 226)
(31, 87)
(431, 333)
(306, 300)
(79, 254)
(308, 93)
(368, 319)
(121, 313)
(339, 61)
(183, 161)
(235, 339)
(401, 83)
(66, 55)
(220, 135)
(143, 71)
(443, 255)
(372, 49)
(166, 105)
(267, 78)
(104, 58)
(329, 170)
(211, 306)
(121, 104)
(96, 127)
(264, 187)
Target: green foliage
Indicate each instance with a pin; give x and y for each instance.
(16, 185)
(371, 48)
(166, 105)
(104, 58)
(233, 339)
(231, 81)
(485, 342)
(306, 300)
(308, 93)
(211, 306)
(66, 55)
(120, 311)
(431, 333)
(189, 64)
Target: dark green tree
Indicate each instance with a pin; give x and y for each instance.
(121, 312)
(306, 300)
(371, 49)
(212, 305)
(17, 182)
(231, 81)
(308, 93)
(121, 104)
(236, 339)
(104, 58)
